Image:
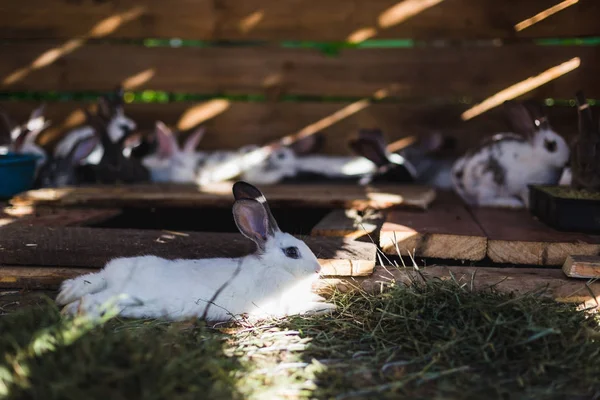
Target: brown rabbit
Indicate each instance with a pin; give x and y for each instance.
(585, 153)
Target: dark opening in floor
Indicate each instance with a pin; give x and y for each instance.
(297, 220)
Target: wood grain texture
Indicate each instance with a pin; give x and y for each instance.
(350, 224)
(417, 72)
(240, 124)
(515, 237)
(582, 267)
(93, 247)
(18, 277)
(44, 216)
(294, 19)
(446, 230)
(549, 283)
(220, 195)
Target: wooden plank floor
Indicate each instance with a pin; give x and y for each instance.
(83, 247)
(350, 224)
(516, 237)
(219, 195)
(551, 283)
(445, 231)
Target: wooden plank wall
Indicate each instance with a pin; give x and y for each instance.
(46, 46)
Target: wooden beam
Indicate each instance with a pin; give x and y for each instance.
(46, 216)
(547, 282)
(516, 237)
(18, 277)
(219, 195)
(94, 247)
(350, 224)
(442, 73)
(331, 20)
(445, 231)
(582, 267)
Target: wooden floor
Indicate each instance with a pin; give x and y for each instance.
(46, 237)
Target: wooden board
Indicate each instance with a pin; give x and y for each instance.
(220, 195)
(445, 231)
(545, 282)
(18, 277)
(350, 224)
(291, 19)
(418, 72)
(515, 237)
(582, 267)
(93, 247)
(232, 125)
(44, 216)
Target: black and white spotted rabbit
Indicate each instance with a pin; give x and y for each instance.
(498, 172)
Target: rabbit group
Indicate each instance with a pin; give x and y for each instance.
(297, 162)
(274, 281)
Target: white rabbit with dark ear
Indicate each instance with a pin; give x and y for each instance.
(499, 171)
(274, 281)
(170, 162)
(118, 125)
(23, 137)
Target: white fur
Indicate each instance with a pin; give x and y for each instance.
(179, 168)
(268, 285)
(336, 167)
(523, 163)
(115, 132)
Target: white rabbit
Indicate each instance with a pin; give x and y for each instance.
(273, 282)
(498, 172)
(170, 163)
(118, 125)
(23, 137)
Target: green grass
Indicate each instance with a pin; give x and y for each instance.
(425, 341)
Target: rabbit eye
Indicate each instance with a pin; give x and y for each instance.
(550, 145)
(292, 252)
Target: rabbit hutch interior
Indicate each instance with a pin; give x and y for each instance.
(462, 134)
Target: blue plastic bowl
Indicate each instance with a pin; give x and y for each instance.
(17, 173)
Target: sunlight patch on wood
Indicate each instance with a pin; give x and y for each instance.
(521, 88)
(197, 114)
(103, 28)
(138, 79)
(544, 14)
(361, 35)
(249, 22)
(404, 10)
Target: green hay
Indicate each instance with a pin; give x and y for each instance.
(567, 192)
(433, 340)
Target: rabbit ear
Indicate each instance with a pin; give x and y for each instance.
(38, 112)
(193, 139)
(167, 143)
(309, 144)
(252, 221)
(375, 135)
(370, 149)
(104, 108)
(519, 118)
(244, 190)
(82, 149)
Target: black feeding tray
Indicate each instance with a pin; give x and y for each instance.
(565, 208)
